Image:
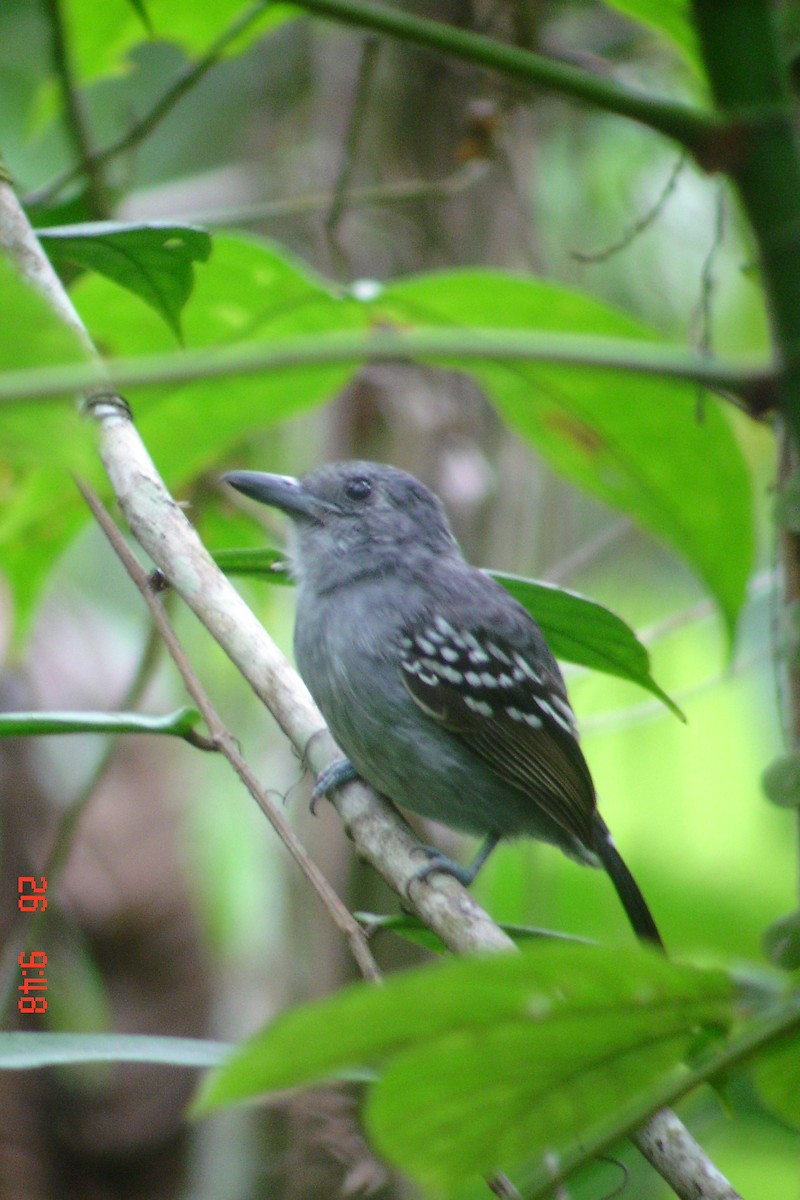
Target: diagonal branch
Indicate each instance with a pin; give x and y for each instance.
(224, 741)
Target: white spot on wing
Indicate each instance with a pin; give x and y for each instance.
(481, 707)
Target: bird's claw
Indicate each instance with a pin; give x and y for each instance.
(441, 863)
(331, 777)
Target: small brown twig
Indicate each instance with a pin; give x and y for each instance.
(224, 741)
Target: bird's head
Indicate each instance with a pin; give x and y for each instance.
(350, 519)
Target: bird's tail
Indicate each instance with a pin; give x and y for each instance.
(626, 886)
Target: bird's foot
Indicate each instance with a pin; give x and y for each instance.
(339, 772)
(437, 861)
(440, 863)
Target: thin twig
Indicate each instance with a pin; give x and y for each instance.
(347, 166)
(639, 226)
(225, 742)
(402, 190)
(75, 118)
(183, 83)
(701, 330)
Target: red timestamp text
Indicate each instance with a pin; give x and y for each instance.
(33, 980)
(32, 896)
(32, 899)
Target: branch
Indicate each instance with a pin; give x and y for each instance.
(684, 123)
(746, 67)
(224, 741)
(173, 545)
(755, 383)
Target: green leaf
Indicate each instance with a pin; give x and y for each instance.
(636, 442)
(143, 15)
(782, 942)
(37, 724)
(154, 261)
(539, 988)
(408, 926)
(101, 36)
(23, 1051)
(481, 1101)
(781, 780)
(39, 445)
(259, 563)
(672, 18)
(581, 631)
(777, 1078)
(249, 292)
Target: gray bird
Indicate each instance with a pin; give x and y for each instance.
(438, 686)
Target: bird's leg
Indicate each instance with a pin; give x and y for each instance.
(437, 861)
(331, 777)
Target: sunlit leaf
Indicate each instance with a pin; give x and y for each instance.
(103, 35)
(637, 442)
(155, 261)
(39, 445)
(249, 291)
(539, 988)
(777, 1078)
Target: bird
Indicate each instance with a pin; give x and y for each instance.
(437, 685)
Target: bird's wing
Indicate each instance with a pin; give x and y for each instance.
(509, 707)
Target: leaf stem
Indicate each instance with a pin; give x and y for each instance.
(754, 383)
(684, 123)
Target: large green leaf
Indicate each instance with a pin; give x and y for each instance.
(102, 35)
(642, 444)
(582, 631)
(672, 18)
(545, 988)
(154, 261)
(248, 292)
(478, 1101)
(39, 444)
(777, 1077)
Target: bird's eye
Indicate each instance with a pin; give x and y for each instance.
(357, 489)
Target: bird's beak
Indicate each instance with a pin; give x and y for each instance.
(279, 491)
